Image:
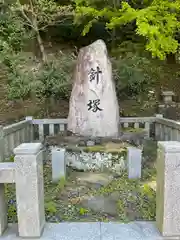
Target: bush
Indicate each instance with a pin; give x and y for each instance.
(55, 78)
(52, 79)
(133, 75)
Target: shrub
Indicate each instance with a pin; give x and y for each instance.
(52, 79)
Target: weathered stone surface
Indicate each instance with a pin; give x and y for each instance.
(101, 204)
(3, 210)
(101, 179)
(93, 109)
(7, 172)
(58, 164)
(168, 189)
(134, 162)
(29, 189)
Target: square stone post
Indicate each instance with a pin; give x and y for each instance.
(1, 144)
(30, 129)
(3, 210)
(58, 164)
(134, 160)
(29, 189)
(168, 189)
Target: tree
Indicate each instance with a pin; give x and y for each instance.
(156, 21)
(38, 15)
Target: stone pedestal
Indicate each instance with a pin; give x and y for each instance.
(168, 189)
(29, 189)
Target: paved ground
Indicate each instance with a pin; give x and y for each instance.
(93, 231)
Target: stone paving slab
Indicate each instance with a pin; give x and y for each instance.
(132, 231)
(93, 231)
(60, 231)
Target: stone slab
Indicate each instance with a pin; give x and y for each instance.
(7, 172)
(61, 231)
(28, 148)
(93, 231)
(131, 231)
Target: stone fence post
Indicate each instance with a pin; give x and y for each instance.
(158, 129)
(168, 189)
(1, 144)
(29, 189)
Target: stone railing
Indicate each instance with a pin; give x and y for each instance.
(24, 131)
(60, 125)
(167, 130)
(54, 126)
(137, 122)
(13, 135)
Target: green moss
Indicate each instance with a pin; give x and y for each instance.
(106, 149)
(96, 148)
(132, 129)
(73, 149)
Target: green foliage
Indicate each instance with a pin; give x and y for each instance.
(156, 21)
(12, 213)
(52, 79)
(83, 211)
(132, 75)
(13, 34)
(133, 194)
(50, 208)
(61, 185)
(39, 14)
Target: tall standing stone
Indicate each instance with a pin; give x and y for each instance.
(94, 109)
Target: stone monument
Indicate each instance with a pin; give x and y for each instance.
(93, 108)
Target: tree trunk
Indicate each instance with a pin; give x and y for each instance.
(41, 47)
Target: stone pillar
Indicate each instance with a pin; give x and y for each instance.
(30, 189)
(158, 128)
(168, 189)
(30, 129)
(3, 210)
(134, 162)
(58, 164)
(1, 144)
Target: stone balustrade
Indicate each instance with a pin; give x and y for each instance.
(13, 135)
(24, 131)
(27, 173)
(167, 129)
